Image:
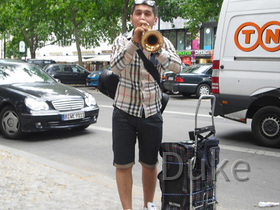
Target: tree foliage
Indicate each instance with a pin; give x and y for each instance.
(22, 19)
(197, 12)
(89, 22)
(76, 21)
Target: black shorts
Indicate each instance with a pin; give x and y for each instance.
(126, 128)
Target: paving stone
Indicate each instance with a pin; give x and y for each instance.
(27, 184)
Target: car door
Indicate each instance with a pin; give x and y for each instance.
(80, 74)
(55, 71)
(66, 75)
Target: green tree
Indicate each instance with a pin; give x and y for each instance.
(27, 18)
(197, 12)
(77, 21)
(88, 22)
(12, 49)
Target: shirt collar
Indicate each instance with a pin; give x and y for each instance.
(129, 34)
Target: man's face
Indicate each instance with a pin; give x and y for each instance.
(143, 13)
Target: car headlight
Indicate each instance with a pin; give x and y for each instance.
(90, 100)
(35, 104)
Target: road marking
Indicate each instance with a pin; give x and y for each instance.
(185, 113)
(251, 151)
(167, 112)
(226, 147)
(223, 147)
(101, 128)
(106, 106)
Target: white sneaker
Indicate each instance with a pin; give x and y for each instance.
(151, 206)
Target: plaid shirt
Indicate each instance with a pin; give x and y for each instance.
(137, 90)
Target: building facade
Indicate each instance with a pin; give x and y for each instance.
(198, 50)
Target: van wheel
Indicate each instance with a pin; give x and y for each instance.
(10, 123)
(266, 126)
(203, 89)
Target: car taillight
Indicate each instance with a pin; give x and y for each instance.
(179, 79)
(216, 64)
(163, 77)
(215, 77)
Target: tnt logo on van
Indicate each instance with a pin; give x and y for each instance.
(249, 36)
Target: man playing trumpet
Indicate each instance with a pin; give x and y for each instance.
(137, 103)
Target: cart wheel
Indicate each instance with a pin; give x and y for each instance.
(10, 123)
(266, 126)
(203, 89)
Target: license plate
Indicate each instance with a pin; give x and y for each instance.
(170, 78)
(73, 116)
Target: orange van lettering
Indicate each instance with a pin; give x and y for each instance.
(247, 34)
(268, 36)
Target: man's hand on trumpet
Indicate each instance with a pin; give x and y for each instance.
(141, 28)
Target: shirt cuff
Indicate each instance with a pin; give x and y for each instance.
(163, 57)
(131, 48)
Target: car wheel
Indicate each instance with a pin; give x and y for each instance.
(203, 89)
(173, 92)
(10, 123)
(266, 126)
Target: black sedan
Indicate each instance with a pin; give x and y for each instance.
(192, 80)
(32, 101)
(68, 73)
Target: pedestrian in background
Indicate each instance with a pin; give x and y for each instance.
(137, 104)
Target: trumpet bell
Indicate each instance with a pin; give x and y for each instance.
(152, 41)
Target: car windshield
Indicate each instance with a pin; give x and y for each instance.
(22, 73)
(197, 69)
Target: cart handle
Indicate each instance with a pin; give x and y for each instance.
(213, 102)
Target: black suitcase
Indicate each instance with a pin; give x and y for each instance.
(188, 179)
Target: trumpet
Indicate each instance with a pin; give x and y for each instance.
(152, 41)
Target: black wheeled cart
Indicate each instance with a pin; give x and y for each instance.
(188, 176)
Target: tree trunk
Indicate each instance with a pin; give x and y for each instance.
(78, 46)
(124, 15)
(77, 40)
(31, 43)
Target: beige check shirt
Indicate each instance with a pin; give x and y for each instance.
(138, 93)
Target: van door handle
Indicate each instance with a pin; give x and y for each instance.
(222, 67)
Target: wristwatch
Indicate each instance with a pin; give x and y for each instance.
(158, 52)
(136, 44)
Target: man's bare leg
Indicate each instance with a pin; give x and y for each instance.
(149, 180)
(124, 183)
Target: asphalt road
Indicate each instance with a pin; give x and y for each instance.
(247, 173)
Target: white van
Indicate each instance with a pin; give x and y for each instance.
(246, 66)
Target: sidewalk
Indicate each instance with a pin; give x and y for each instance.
(30, 182)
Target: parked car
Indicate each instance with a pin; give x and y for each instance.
(32, 101)
(41, 62)
(68, 73)
(192, 80)
(167, 74)
(92, 78)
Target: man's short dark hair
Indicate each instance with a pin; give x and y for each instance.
(155, 9)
